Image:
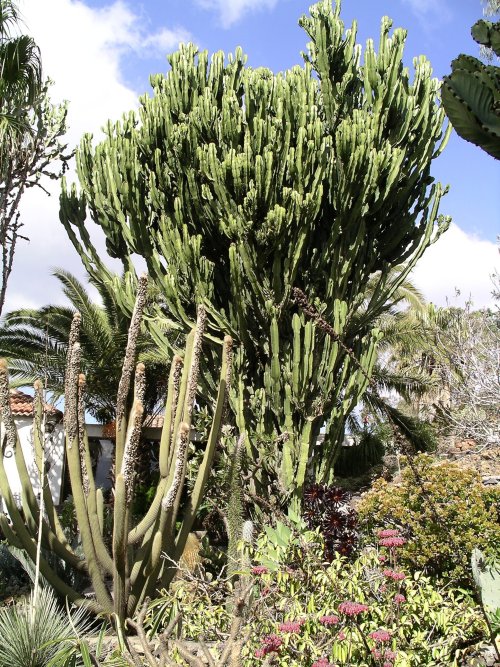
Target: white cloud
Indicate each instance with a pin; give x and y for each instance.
(83, 51)
(430, 13)
(458, 261)
(165, 40)
(230, 11)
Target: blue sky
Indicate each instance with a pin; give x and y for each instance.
(100, 54)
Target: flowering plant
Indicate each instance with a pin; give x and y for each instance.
(327, 508)
(363, 613)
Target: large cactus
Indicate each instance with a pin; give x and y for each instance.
(126, 566)
(471, 93)
(237, 185)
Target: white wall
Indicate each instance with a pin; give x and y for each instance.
(54, 455)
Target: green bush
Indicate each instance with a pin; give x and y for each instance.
(298, 616)
(13, 578)
(443, 510)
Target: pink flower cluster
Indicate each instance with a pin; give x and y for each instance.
(391, 538)
(388, 656)
(329, 620)
(352, 608)
(392, 542)
(269, 644)
(291, 626)
(380, 636)
(322, 662)
(399, 599)
(392, 574)
(259, 569)
(388, 532)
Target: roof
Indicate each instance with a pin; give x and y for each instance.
(21, 405)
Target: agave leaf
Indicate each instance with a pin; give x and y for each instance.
(487, 580)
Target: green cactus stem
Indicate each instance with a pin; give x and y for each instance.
(471, 93)
(123, 577)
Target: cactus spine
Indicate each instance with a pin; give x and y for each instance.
(132, 569)
(253, 183)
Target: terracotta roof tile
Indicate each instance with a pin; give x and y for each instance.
(21, 405)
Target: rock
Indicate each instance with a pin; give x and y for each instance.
(491, 480)
(481, 656)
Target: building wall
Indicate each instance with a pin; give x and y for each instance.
(55, 458)
(54, 454)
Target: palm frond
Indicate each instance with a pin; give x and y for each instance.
(408, 385)
(20, 72)
(94, 320)
(9, 17)
(35, 344)
(419, 433)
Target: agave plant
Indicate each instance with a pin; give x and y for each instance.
(32, 632)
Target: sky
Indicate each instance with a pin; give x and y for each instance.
(100, 55)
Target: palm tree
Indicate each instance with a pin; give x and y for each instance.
(396, 387)
(399, 388)
(35, 344)
(20, 78)
(407, 326)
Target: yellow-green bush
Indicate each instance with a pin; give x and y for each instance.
(443, 510)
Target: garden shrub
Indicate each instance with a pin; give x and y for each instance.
(360, 457)
(306, 612)
(13, 578)
(443, 510)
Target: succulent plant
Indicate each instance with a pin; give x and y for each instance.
(237, 185)
(126, 566)
(471, 93)
(487, 579)
(328, 508)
